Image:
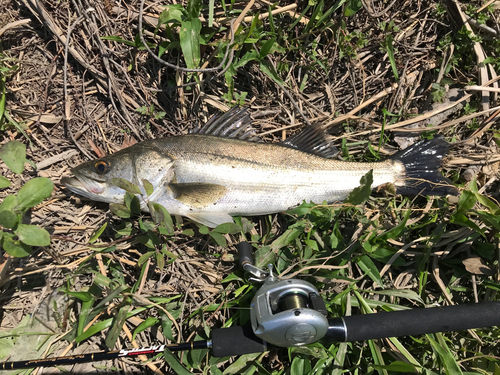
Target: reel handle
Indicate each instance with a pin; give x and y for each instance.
(245, 253)
(246, 262)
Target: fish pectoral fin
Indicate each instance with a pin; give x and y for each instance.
(211, 220)
(198, 195)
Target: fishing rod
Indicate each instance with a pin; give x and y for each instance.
(239, 340)
(223, 342)
(286, 313)
(101, 356)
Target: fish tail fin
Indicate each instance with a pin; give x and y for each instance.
(422, 162)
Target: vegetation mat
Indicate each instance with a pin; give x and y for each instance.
(82, 79)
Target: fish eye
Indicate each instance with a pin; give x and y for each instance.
(102, 166)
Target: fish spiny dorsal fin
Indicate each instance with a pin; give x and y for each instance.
(315, 140)
(235, 123)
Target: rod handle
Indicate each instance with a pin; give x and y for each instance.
(236, 340)
(413, 322)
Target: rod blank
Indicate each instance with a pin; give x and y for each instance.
(102, 356)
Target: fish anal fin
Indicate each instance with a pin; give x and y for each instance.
(211, 220)
(314, 139)
(235, 123)
(198, 195)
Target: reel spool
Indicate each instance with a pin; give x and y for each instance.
(292, 301)
(288, 313)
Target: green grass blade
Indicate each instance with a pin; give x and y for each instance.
(117, 326)
(211, 4)
(450, 364)
(370, 269)
(410, 358)
(340, 359)
(328, 13)
(190, 42)
(318, 9)
(241, 364)
(114, 294)
(3, 98)
(84, 314)
(297, 20)
(175, 364)
(378, 359)
(390, 52)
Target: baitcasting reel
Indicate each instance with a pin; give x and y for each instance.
(287, 313)
(284, 312)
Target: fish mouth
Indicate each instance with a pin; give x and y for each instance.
(83, 186)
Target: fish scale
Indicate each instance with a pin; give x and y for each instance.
(296, 175)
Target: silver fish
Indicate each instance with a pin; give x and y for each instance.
(223, 170)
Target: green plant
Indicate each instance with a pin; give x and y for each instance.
(151, 113)
(440, 9)
(182, 31)
(5, 72)
(438, 92)
(17, 238)
(388, 46)
(480, 17)
(6, 120)
(122, 299)
(349, 43)
(190, 37)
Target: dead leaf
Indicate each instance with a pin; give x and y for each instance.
(492, 169)
(227, 257)
(47, 118)
(98, 151)
(128, 141)
(477, 266)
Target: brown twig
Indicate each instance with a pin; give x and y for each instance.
(99, 246)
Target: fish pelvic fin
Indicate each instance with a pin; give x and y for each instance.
(422, 162)
(211, 220)
(198, 195)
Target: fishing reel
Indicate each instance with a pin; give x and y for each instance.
(284, 312)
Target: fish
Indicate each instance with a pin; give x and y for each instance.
(224, 169)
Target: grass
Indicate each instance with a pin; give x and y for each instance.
(141, 279)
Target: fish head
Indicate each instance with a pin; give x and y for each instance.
(94, 179)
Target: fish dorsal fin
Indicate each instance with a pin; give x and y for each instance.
(314, 139)
(198, 195)
(235, 123)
